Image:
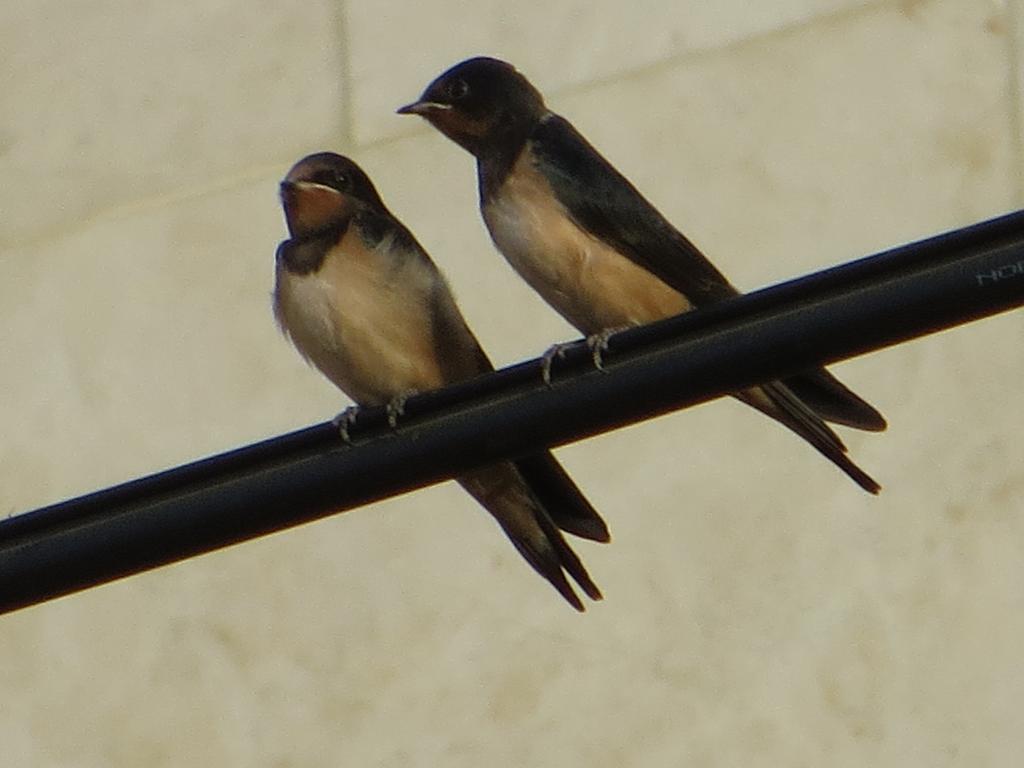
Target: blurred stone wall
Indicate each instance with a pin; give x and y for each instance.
(760, 609)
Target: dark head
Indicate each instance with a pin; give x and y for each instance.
(480, 104)
(323, 191)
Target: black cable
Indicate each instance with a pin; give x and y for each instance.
(842, 312)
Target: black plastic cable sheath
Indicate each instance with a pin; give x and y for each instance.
(841, 312)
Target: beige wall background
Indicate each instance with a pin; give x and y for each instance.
(760, 609)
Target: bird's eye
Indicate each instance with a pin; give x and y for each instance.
(457, 89)
(331, 178)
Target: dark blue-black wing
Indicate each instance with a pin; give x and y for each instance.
(604, 203)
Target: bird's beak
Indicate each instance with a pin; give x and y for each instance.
(294, 190)
(423, 108)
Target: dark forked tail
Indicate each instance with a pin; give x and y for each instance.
(778, 401)
(503, 492)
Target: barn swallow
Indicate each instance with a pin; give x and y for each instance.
(593, 247)
(363, 302)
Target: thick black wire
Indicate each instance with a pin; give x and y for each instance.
(842, 312)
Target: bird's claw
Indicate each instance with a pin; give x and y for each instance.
(345, 421)
(546, 360)
(396, 408)
(598, 345)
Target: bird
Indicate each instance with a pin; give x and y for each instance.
(585, 238)
(363, 302)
